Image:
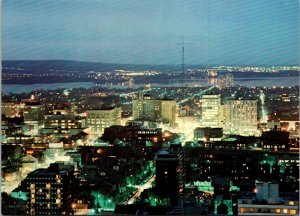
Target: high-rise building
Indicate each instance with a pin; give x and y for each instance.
(131, 83)
(210, 115)
(146, 108)
(240, 116)
(170, 173)
(99, 119)
(229, 80)
(34, 113)
(225, 81)
(50, 190)
(168, 111)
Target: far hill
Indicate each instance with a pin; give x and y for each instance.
(36, 66)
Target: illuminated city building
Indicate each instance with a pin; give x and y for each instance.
(50, 190)
(168, 111)
(64, 121)
(275, 140)
(146, 108)
(240, 116)
(149, 136)
(131, 82)
(9, 109)
(98, 119)
(267, 202)
(225, 81)
(34, 114)
(170, 173)
(210, 114)
(208, 134)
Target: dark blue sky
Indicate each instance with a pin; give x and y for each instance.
(241, 32)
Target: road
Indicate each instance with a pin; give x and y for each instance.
(140, 189)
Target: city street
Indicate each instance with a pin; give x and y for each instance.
(140, 189)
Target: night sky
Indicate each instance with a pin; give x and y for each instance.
(220, 32)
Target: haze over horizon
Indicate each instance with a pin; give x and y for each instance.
(216, 32)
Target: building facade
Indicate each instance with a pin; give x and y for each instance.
(99, 119)
(240, 116)
(9, 109)
(64, 121)
(50, 190)
(208, 134)
(34, 113)
(170, 173)
(168, 111)
(146, 108)
(210, 110)
(267, 202)
(225, 81)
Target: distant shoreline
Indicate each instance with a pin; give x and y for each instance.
(247, 82)
(30, 82)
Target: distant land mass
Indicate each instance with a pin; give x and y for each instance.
(66, 71)
(36, 66)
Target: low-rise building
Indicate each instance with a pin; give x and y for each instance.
(267, 202)
(208, 134)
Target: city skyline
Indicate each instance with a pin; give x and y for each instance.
(150, 107)
(216, 32)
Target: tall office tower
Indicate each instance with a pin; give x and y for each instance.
(210, 115)
(146, 108)
(221, 81)
(99, 119)
(131, 83)
(34, 113)
(229, 80)
(9, 109)
(225, 81)
(50, 190)
(240, 116)
(170, 173)
(168, 111)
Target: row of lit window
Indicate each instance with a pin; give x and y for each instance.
(278, 211)
(288, 161)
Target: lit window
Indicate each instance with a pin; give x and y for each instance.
(278, 210)
(291, 203)
(243, 210)
(285, 211)
(293, 211)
